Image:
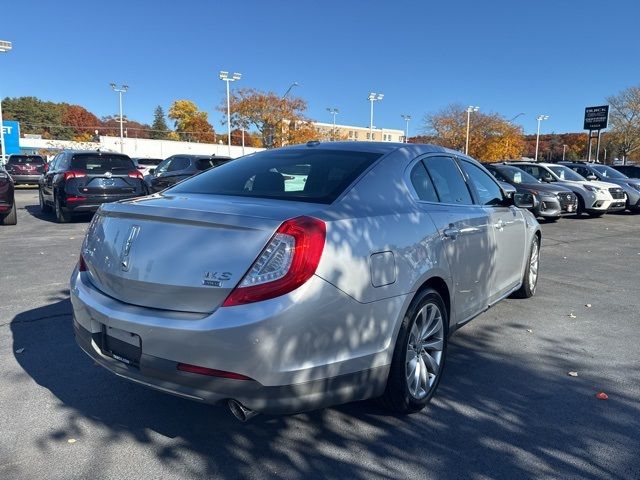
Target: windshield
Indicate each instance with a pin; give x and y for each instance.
(21, 159)
(318, 176)
(92, 163)
(608, 172)
(515, 175)
(565, 173)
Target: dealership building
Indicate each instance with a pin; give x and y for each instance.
(358, 134)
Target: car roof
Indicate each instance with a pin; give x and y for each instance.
(95, 152)
(382, 148)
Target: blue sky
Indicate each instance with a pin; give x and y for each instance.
(507, 56)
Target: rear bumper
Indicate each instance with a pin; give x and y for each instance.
(163, 375)
(23, 179)
(93, 202)
(301, 354)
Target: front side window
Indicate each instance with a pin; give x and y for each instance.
(448, 181)
(609, 172)
(489, 193)
(178, 163)
(309, 175)
(422, 183)
(514, 175)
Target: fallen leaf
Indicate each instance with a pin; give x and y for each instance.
(566, 257)
(71, 440)
(602, 396)
(588, 305)
(573, 374)
(20, 350)
(571, 315)
(529, 330)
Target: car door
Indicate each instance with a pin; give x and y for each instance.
(507, 231)
(177, 170)
(464, 229)
(47, 181)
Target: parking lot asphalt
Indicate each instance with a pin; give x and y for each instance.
(506, 407)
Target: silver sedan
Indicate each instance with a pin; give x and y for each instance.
(302, 277)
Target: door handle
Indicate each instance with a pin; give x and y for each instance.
(451, 232)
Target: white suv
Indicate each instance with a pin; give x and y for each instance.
(594, 198)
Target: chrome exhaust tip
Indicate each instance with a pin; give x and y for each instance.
(239, 411)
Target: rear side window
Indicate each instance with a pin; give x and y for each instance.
(203, 164)
(152, 162)
(422, 183)
(448, 181)
(312, 175)
(22, 159)
(92, 163)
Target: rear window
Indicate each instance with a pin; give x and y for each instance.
(21, 159)
(152, 162)
(318, 176)
(92, 163)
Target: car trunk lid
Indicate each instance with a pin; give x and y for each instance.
(183, 253)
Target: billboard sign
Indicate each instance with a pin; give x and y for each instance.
(11, 136)
(596, 118)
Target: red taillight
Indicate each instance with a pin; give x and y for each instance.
(185, 367)
(136, 174)
(82, 266)
(308, 237)
(45, 168)
(74, 174)
(73, 198)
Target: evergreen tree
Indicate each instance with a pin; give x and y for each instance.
(159, 128)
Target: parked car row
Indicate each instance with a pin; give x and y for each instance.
(571, 187)
(77, 181)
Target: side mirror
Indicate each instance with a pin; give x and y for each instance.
(591, 177)
(547, 178)
(152, 171)
(524, 200)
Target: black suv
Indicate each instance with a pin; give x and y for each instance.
(8, 214)
(631, 171)
(551, 200)
(25, 169)
(80, 181)
(178, 167)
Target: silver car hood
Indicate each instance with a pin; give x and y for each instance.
(182, 253)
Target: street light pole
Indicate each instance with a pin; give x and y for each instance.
(224, 76)
(4, 48)
(406, 131)
(540, 118)
(333, 111)
(470, 109)
(120, 90)
(373, 97)
(564, 151)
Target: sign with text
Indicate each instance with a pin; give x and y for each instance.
(596, 118)
(11, 136)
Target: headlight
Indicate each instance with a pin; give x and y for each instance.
(3, 176)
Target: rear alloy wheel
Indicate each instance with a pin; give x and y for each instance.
(418, 358)
(11, 218)
(62, 215)
(530, 280)
(44, 206)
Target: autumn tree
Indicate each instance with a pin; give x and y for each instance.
(270, 114)
(159, 128)
(491, 137)
(191, 124)
(82, 122)
(110, 125)
(37, 117)
(624, 116)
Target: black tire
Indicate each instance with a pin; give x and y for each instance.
(62, 215)
(44, 206)
(11, 218)
(397, 396)
(580, 210)
(596, 214)
(528, 287)
(551, 219)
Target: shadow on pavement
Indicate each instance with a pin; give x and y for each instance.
(493, 417)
